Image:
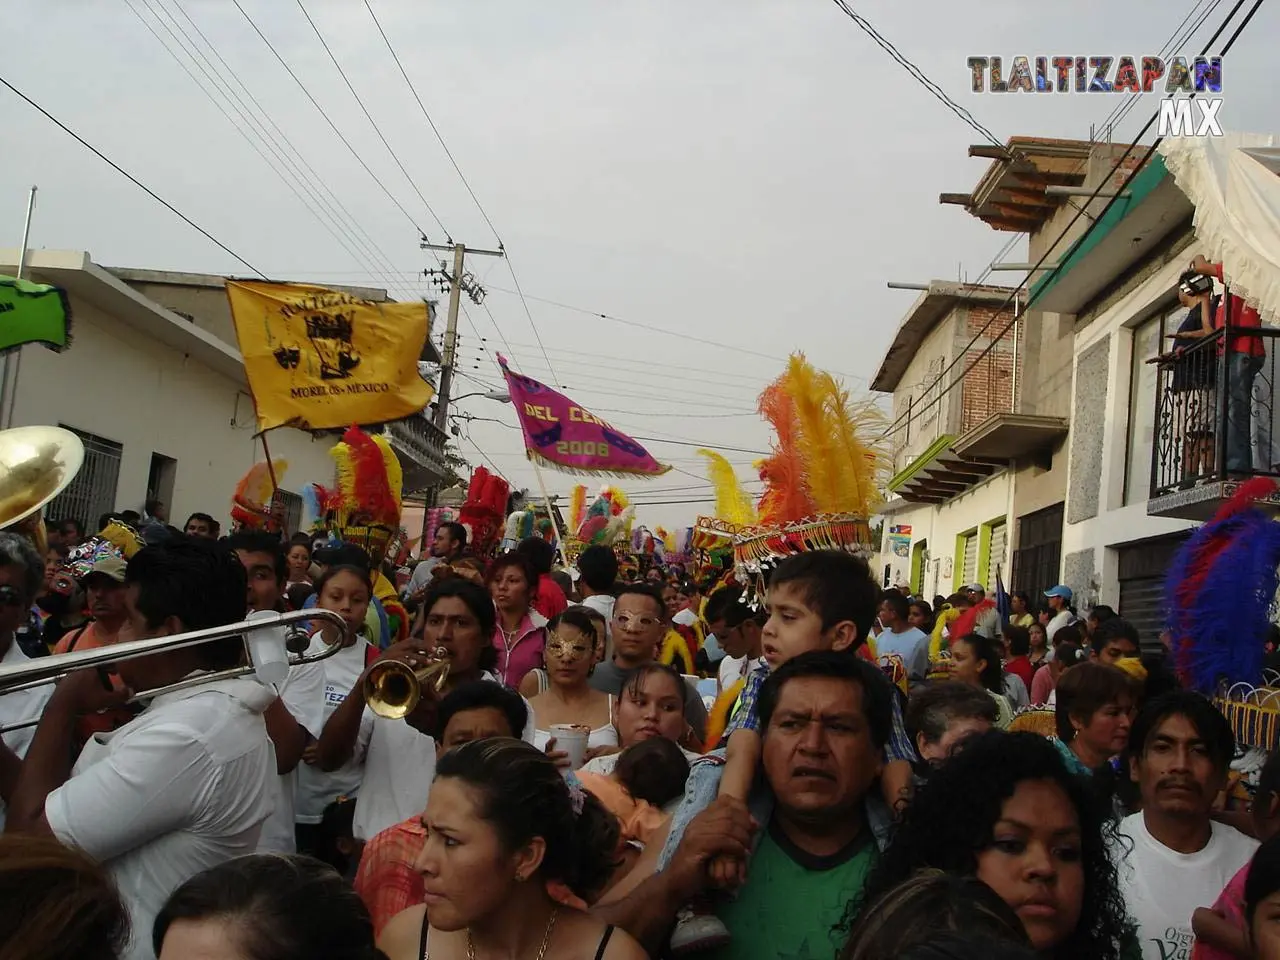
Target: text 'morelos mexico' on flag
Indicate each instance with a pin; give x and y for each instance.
(324, 359)
(561, 434)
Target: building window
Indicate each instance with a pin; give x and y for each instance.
(292, 509)
(93, 491)
(1038, 558)
(1142, 410)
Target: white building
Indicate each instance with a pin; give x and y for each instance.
(155, 387)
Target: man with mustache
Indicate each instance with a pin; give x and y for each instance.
(1172, 857)
(806, 844)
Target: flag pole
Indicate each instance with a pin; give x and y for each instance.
(551, 514)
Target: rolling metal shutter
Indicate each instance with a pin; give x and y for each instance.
(1142, 572)
(995, 558)
(969, 569)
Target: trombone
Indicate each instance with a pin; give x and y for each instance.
(269, 661)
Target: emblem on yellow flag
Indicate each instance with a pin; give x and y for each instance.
(322, 359)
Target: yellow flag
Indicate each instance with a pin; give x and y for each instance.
(321, 359)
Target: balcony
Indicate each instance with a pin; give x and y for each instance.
(1203, 414)
(420, 445)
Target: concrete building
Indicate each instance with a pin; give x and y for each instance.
(154, 385)
(989, 489)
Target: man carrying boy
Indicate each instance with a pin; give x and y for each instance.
(824, 600)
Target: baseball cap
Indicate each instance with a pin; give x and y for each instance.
(1061, 590)
(112, 567)
(975, 588)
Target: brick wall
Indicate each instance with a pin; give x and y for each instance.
(987, 389)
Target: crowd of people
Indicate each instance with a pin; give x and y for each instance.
(610, 767)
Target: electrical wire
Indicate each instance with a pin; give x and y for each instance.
(249, 132)
(434, 129)
(466, 183)
(386, 269)
(687, 337)
(132, 179)
(893, 428)
(373, 123)
(884, 44)
(332, 126)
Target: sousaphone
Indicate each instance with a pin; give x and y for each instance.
(36, 464)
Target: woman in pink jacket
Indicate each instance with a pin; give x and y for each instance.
(521, 632)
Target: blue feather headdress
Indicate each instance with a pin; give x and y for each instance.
(1220, 591)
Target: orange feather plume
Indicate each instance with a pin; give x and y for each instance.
(786, 495)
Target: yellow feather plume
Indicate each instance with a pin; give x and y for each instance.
(809, 390)
(856, 454)
(577, 506)
(395, 473)
(732, 502)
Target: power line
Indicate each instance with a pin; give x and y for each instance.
(421, 106)
(132, 179)
(373, 123)
(916, 72)
(332, 126)
(249, 132)
(671, 333)
(461, 176)
(376, 255)
(1053, 271)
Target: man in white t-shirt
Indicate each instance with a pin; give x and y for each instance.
(449, 544)
(1173, 857)
(400, 755)
(185, 785)
(1059, 600)
(297, 715)
(21, 572)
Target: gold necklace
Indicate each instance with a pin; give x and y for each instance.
(542, 950)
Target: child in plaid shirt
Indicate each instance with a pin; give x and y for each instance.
(822, 600)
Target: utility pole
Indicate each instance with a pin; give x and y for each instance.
(13, 359)
(457, 282)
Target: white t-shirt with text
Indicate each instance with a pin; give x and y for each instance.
(303, 696)
(316, 788)
(1162, 887)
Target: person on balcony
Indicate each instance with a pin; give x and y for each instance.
(1245, 356)
(1192, 380)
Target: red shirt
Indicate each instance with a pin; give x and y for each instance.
(386, 880)
(1021, 668)
(550, 601)
(1242, 315)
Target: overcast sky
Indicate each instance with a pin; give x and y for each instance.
(749, 173)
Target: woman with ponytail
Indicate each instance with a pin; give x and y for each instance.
(513, 854)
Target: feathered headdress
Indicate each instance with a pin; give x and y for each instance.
(826, 458)
(577, 506)
(1220, 590)
(364, 508)
(251, 502)
(484, 509)
(732, 501)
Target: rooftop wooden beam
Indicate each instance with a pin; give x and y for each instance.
(989, 152)
(961, 199)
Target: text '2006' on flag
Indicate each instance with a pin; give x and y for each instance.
(321, 359)
(562, 434)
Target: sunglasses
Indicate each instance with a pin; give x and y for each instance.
(11, 597)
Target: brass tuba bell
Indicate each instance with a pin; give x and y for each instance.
(36, 464)
(392, 688)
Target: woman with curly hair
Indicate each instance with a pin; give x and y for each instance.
(1006, 811)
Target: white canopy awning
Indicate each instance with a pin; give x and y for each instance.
(1234, 183)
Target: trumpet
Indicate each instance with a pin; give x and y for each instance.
(392, 688)
(268, 657)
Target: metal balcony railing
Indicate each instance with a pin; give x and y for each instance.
(1215, 416)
